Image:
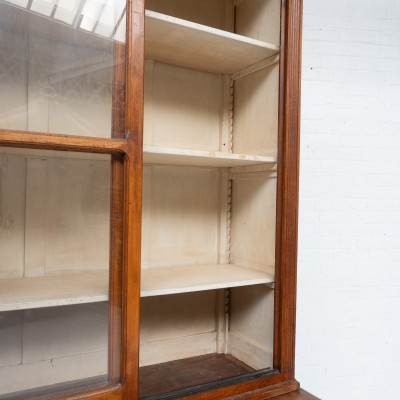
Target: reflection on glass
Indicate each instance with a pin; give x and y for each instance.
(54, 268)
(57, 65)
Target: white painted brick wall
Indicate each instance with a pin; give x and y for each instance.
(348, 319)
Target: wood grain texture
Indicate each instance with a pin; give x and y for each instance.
(48, 141)
(263, 388)
(288, 188)
(133, 196)
(175, 375)
(117, 218)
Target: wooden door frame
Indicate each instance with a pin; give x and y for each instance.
(126, 149)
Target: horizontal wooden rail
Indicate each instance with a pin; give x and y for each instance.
(46, 141)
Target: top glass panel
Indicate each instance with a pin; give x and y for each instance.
(58, 64)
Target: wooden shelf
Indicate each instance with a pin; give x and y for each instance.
(50, 291)
(200, 158)
(184, 279)
(91, 287)
(176, 41)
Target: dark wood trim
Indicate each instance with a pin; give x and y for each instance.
(119, 91)
(133, 194)
(107, 393)
(53, 391)
(288, 188)
(117, 219)
(47, 141)
(252, 390)
(179, 378)
(116, 268)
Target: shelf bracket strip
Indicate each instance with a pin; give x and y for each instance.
(268, 62)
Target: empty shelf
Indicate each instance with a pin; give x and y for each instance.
(200, 158)
(176, 41)
(162, 281)
(50, 291)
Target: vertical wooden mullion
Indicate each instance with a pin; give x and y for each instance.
(117, 219)
(288, 180)
(133, 193)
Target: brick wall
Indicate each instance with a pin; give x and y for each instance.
(348, 336)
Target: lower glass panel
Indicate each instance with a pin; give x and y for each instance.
(54, 271)
(47, 346)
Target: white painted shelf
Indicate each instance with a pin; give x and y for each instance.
(91, 287)
(50, 291)
(184, 279)
(200, 158)
(176, 41)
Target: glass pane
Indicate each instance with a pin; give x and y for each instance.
(54, 270)
(58, 62)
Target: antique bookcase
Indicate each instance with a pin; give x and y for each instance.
(148, 198)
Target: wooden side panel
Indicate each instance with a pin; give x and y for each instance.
(206, 12)
(259, 19)
(255, 124)
(288, 188)
(253, 222)
(180, 216)
(182, 107)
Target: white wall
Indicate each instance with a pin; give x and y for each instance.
(348, 336)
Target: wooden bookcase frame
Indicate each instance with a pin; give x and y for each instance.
(125, 248)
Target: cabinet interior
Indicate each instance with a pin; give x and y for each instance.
(209, 188)
(209, 193)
